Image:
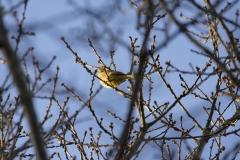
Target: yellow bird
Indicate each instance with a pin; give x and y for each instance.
(112, 78)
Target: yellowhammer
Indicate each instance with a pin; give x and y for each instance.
(112, 78)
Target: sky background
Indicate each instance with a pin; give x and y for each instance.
(78, 20)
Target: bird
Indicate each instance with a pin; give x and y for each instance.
(110, 78)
